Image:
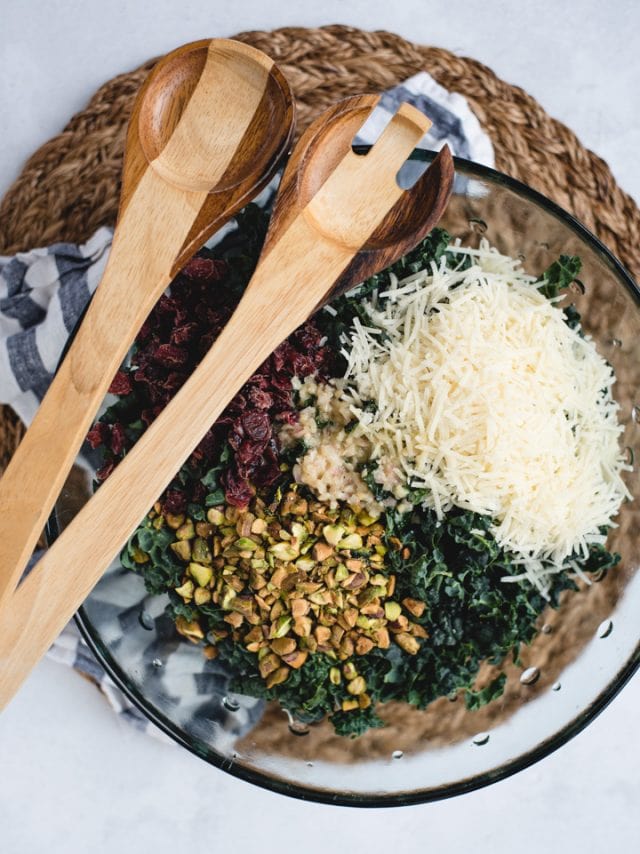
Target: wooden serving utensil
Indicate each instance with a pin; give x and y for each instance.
(338, 219)
(208, 130)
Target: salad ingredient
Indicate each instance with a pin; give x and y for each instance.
(291, 579)
(445, 606)
(486, 399)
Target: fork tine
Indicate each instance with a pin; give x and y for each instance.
(406, 223)
(422, 205)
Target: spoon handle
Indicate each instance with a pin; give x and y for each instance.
(294, 276)
(138, 270)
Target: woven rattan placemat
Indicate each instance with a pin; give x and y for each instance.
(70, 186)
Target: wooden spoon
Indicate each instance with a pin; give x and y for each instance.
(207, 132)
(338, 218)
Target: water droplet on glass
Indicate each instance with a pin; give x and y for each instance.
(529, 676)
(478, 225)
(230, 704)
(556, 686)
(605, 628)
(547, 629)
(146, 620)
(480, 739)
(296, 727)
(577, 287)
(234, 755)
(544, 245)
(397, 754)
(156, 662)
(629, 456)
(452, 697)
(522, 257)
(615, 342)
(635, 413)
(309, 764)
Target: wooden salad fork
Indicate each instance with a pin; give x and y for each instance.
(338, 218)
(208, 130)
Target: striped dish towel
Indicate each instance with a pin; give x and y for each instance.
(43, 293)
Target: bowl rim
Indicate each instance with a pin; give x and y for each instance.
(469, 784)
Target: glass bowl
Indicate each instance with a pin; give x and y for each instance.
(583, 654)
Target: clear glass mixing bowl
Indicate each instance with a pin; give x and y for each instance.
(583, 654)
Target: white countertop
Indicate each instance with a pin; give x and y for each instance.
(75, 779)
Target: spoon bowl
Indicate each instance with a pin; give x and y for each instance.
(184, 108)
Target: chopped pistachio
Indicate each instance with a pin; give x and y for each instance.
(321, 551)
(349, 705)
(305, 564)
(258, 526)
(190, 629)
(268, 664)
(186, 531)
(296, 658)
(349, 670)
(302, 627)
(182, 548)
(283, 646)
(414, 606)
(202, 574)
(351, 541)
(202, 595)
(245, 544)
(283, 625)
(335, 677)
(138, 555)
(357, 686)
(215, 516)
(299, 608)
(279, 676)
(228, 597)
(185, 591)
(364, 645)
(333, 534)
(407, 643)
(392, 611)
(283, 551)
(200, 551)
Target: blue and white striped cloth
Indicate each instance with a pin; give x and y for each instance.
(44, 291)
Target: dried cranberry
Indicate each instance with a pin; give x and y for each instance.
(175, 501)
(204, 268)
(170, 356)
(120, 384)
(118, 439)
(256, 425)
(104, 472)
(98, 435)
(260, 398)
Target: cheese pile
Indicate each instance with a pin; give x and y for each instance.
(486, 398)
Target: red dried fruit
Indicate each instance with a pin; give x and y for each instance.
(104, 472)
(121, 384)
(170, 356)
(98, 435)
(207, 269)
(118, 439)
(173, 340)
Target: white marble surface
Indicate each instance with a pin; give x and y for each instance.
(73, 779)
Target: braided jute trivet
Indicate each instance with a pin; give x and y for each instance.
(70, 186)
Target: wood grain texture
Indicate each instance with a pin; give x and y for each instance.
(206, 134)
(336, 212)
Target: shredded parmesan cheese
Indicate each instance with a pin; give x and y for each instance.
(490, 401)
